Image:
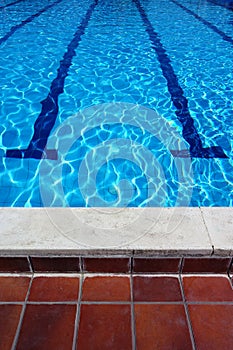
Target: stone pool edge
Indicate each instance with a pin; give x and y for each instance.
(148, 232)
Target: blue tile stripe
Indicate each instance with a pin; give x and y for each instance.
(227, 4)
(47, 118)
(12, 3)
(26, 21)
(210, 25)
(180, 102)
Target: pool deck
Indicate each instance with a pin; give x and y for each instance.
(122, 232)
(71, 312)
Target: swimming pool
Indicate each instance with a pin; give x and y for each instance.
(116, 103)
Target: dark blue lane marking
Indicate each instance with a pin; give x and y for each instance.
(223, 35)
(47, 118)
(180, 102)
(223, 3)
(12, 3)
(26, 21)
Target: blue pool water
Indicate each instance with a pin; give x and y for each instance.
(116, 103)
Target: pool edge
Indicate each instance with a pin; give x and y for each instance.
(165, 232)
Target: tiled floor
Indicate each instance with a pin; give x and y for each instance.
(98, 312)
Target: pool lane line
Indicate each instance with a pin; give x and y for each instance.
(210, 25)
(47, 118)
(26, 21)
(180, 102)
(12, 3)
(226, 5)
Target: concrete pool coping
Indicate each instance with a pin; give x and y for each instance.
(117, 231)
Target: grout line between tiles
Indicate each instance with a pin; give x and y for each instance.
(133, 326)
(118, 302)
(102, 274)
(81, 264)
(204, 274)
(30, 264)
(191, 334)
(16, 274)
(230, 303)
(113, 302)
(181, 265)
(21, 317)
(131, 267)
(56, 274)
(63, 302)
(11, 302)
(229, 269)
(78, 312)
(158, 303)
(75, 333)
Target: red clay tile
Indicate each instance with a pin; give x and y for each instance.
(55, 264)
(10, 264)
(206, 265)
(106, 265)
(156, 289)
(13, 288)
(161, 327)
(9, 319)
(47, 327)
(156, 265)
(207, 289)
(104, 327)
(212, 326)
(106, 288)
(54, 289)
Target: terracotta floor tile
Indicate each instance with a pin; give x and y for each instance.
(54, 289)
(106, 288)
(206, 265)
(105, 327)
(13, 264)
(13, 288)
(212, 326)
(207, 289)
(161, 327)
(106, 265)
(156, 265)
(47, 327)
(9, 319)
(55, 264)
(156, 289)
